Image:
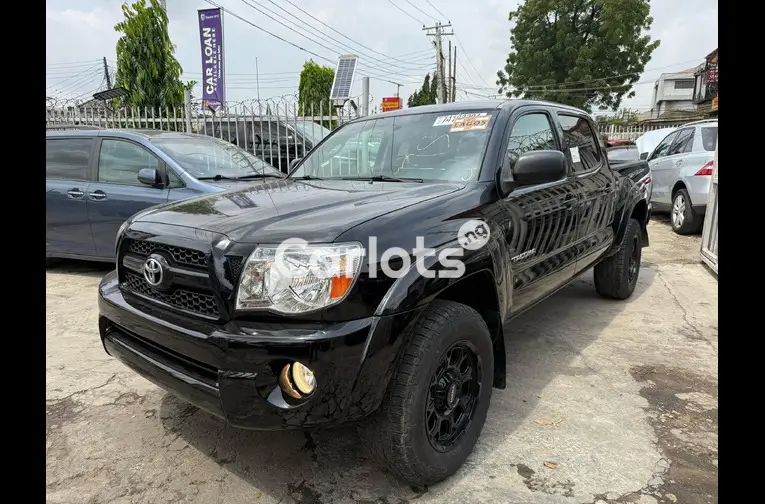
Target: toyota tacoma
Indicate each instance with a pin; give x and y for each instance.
(375, 283)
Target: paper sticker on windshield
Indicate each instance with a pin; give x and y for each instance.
(449, 119)
(574, 154)
(480, 122)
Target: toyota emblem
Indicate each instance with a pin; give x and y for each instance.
(153, 271)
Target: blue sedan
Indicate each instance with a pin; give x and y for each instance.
(97, 179)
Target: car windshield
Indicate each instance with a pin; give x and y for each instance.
(620, 155)
(310, 130)
(205, 157)
(425, 147)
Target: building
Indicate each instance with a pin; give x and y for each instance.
(673, 92)
(705, 84)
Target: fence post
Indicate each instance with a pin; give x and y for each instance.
(187, 109)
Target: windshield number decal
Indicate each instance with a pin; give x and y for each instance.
(480, 122)
(449, 119)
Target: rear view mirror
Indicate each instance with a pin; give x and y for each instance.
(294, 163)
(150, 177)
(533, 168)
(643, 156)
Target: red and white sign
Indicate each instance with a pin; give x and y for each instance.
(391, 103)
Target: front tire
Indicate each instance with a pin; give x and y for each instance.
(617, 276)
(437, 400)
(683, 218)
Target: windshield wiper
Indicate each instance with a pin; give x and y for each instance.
(385, 178)
(258, 175)
(307, 177)
(216, 177)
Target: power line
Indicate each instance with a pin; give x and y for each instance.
(438, 11)
(71, 64)
(417, 8)
(405, 12)
(344, 36)
(343, 46)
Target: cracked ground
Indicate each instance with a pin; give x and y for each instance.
(607, 402)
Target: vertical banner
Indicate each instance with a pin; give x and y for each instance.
(211, 38)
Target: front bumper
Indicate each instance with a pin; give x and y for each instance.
(232, 370)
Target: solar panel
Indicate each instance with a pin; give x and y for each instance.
(343, 82)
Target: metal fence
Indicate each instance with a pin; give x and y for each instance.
(615, 132)
(275, 129)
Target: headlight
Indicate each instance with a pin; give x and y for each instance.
(297, 278)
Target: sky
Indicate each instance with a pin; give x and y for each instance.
(387, 36)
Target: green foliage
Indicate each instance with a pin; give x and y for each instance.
(426, 95)
(314, 89)
(585, 53)
(624, 117)
(146, 66)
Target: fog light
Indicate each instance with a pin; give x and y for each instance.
(297, 380)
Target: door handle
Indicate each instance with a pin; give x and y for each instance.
(679, 162)
(97, 195)
(75, 193)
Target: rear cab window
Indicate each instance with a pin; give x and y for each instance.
(68, 158)
(582, 143)
(709, 138)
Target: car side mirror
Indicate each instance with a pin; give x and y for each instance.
(294, 163)
(150, 177)
(532, 168)
(643, 156)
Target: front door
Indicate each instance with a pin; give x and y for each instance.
(662, 169)
(540, 222)
(117, 194)
(67, 181)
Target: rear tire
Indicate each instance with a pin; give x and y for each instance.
(617, 276)
(437, 400)
(683, 218)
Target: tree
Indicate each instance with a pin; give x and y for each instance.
(146, 66)
(425, 95)
(314, 89)
(585, 53)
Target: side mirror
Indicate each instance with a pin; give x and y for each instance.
(150, 177)
(294, 163)
(532, 168)
(643, 156)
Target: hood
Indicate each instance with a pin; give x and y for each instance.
(315, 211)
(648, 141)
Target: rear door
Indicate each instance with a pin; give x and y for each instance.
(116, 194)
(67, 172)
(662, 169)
(595, 186)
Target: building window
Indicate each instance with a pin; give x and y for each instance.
(684, 84)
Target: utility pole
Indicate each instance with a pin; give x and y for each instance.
(454, 76)
(449, 80)
(364, 96)
(438, 33)
(106, 75)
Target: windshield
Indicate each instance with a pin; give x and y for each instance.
(435, 147)
(205, 157)
(310, 130)
(623, 155)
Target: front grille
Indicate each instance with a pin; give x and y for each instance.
(181, 255)
(195, 302)
(234, 264)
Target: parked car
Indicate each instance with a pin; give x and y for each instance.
(96, 179)
(215, 302)
(681, 169)
(276, 141)
(623, 154)
(648, 141)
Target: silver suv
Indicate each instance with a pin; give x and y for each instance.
(681, 170)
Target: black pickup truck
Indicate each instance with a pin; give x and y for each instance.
(378, 286)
